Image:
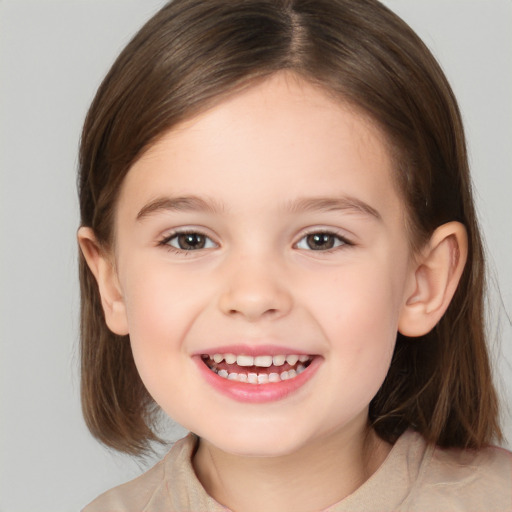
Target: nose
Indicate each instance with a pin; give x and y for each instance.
(254, 289)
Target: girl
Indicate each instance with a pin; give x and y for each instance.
(280, 251)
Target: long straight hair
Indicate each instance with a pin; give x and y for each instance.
(194, 53)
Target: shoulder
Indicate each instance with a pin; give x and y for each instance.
(150, 491)
(463, 480)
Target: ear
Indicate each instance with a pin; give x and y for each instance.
(102, 267)
(434, 279)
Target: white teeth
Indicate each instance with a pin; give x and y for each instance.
(245, 361)
(292, 359)
(252, 378)
(262, 378)
(279, 360)
(230, 358)
(263, 361)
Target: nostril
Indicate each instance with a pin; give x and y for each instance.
(267, 312)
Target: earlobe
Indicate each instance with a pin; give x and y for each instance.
(434, 279)
(103, 269)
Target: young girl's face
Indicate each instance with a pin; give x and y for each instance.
(267, 227)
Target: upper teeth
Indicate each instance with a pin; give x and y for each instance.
(264, 361)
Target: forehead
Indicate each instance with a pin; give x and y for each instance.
(278, 139)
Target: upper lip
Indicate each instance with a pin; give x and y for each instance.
(253, 350)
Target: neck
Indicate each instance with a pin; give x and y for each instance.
(311, 478)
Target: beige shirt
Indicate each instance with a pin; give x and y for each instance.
(413, 478)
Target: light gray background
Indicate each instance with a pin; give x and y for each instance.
(53, 55)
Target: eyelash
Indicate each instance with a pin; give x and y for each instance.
(165, 241)
(343, 242)
(339, 241)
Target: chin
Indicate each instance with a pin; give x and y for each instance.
(256, 442)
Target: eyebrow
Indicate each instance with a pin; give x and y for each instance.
(306, 204)
(180, 204)
(330, 204)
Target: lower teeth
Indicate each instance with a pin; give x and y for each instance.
(260, 378)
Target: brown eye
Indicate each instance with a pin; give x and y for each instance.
(190, 241)
(320, 242)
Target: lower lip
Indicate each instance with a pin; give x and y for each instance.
(257, 393)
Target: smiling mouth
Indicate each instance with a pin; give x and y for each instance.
(262, 369)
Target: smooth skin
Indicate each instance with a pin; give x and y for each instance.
(252, 179)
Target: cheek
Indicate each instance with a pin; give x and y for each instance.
(359, 317)
(362, 302)
(157, 319)
(159, 304)
(160, 310)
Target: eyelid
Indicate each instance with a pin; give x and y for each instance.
(326, 231)
(337, 233)
(188, 230)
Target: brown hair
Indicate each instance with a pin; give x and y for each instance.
(191, 54)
